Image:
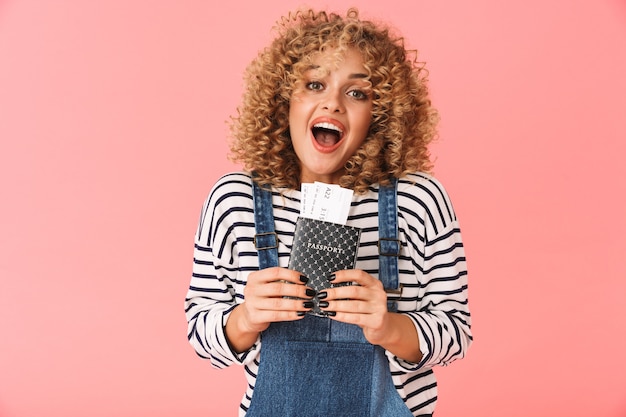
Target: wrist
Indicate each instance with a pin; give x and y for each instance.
(400, 337)
(240, 334)
(242, 322)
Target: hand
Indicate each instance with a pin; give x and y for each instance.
(265, 302)
(364, 304)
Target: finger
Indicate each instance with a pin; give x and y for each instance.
(360, 320)
(348, 306)
(271, 316)
(277, 274)
(352, 292)
(279, 289)
(283, 304)
(297, 291)
(352, 276)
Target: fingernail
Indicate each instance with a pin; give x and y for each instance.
(322, 295)
(331, 313)
(301, 313)
(310, 292)
(332, 277)
(323, 304)
(308, 304)
(304, 279)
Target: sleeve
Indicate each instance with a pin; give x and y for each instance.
(442, 319)
(212, 292)
(444, 322)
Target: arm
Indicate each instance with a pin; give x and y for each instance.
(400, 338)
(219, 276)
(441, 317)
(212, 293)
(365, 305)
(221, 325)
(271, 295)
(444, 321)
(434, 299)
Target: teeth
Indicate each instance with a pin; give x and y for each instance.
(328, 126)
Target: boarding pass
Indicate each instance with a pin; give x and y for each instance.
(326, 202)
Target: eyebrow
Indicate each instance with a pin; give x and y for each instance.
(356, 75)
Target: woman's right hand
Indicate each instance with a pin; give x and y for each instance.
(270, 295)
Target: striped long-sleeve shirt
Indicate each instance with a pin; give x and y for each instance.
(431, 266)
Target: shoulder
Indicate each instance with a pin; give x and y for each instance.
(423, 185)
(230, 193)
(228, 202)
(229, 187)
(426, 196)
(233, 181)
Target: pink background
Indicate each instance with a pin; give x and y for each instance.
(112, 129)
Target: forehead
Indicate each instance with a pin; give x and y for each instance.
(330, 60)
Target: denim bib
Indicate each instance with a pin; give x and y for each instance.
(317, 367)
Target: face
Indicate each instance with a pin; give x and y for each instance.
(329, 115)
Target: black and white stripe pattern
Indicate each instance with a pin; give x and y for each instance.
(432, 272)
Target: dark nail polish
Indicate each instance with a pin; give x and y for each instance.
(308, 304)
(310, 292)
(332, 277)
(301, 313)
(303, 279)
(331, 313)
(322, 295)
(323, 304)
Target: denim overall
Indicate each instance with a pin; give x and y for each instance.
(317, 367)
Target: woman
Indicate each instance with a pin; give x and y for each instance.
(340, 101)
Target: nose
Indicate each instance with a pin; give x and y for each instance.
(332, 102)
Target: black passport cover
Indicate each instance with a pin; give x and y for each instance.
(321, 248)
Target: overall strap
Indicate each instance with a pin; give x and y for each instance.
(388, 242)
(265, 239)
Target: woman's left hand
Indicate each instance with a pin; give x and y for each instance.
(365, 305)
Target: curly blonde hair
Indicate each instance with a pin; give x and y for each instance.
(403, 120)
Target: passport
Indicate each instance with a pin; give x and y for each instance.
(321, 248)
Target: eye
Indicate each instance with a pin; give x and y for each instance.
(358, 94)
(314, 86)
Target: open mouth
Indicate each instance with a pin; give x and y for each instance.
(326, 134)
